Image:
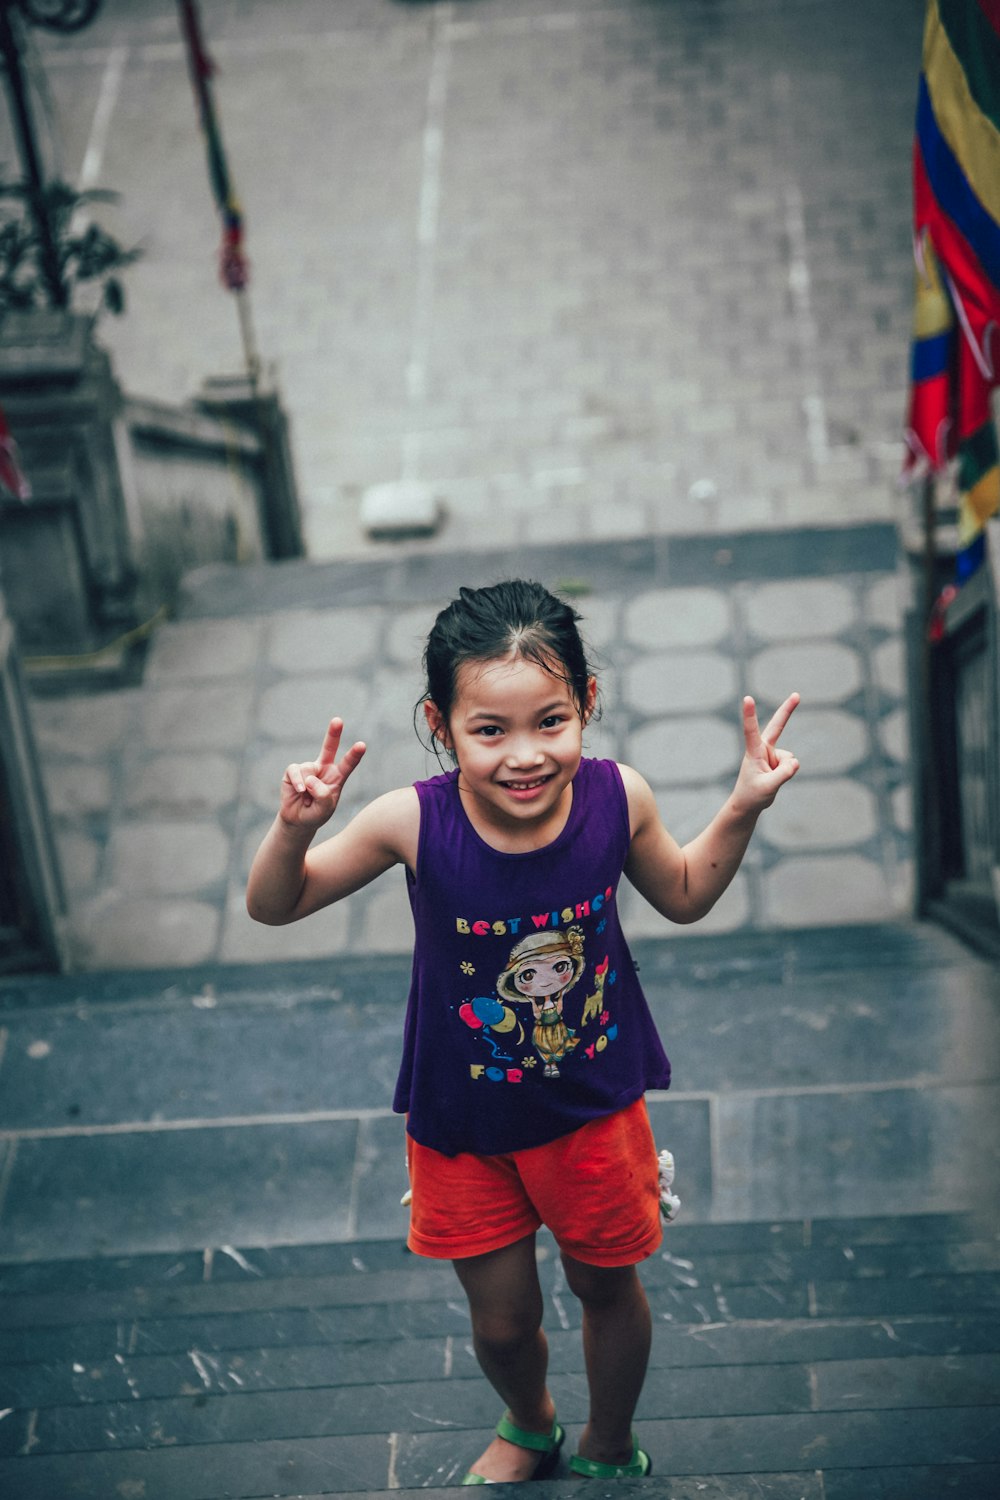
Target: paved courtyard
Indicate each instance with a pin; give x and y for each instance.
(607, 276)
(585, 268)
(161, 793)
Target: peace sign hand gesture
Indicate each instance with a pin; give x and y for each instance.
(310, 791)
(765, 767)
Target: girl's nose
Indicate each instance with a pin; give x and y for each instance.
(524, 752)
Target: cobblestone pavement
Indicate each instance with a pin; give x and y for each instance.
(598, 268)
(161, 793)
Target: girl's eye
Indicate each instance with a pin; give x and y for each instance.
(489, 731)
(526, 976)
(552, 722)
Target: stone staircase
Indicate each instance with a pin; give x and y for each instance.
(809, 1360)
(827, 1307)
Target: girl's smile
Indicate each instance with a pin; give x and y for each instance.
(516, 732)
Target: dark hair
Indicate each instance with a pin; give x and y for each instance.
(489, 623)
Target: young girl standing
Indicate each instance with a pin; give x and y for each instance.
(528, 1044)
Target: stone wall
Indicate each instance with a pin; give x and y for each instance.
(127, 495)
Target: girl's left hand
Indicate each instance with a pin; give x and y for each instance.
(765, 767)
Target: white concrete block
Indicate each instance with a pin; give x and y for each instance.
(402, 508)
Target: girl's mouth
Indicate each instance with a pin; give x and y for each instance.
(525, 788)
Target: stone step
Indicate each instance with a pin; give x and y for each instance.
(626, 567)
(815, 1073)
(782, 1352)
(69, 1378)
(900, 1279)
(696, 958)
(929, 1234)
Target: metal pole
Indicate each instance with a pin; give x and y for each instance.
(251, 357)
(930, 876)
(24, 127)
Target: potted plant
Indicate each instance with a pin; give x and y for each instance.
(85, 254)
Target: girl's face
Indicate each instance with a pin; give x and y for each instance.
(517, 733)
(544, 975)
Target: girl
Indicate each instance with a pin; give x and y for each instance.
(524, 837)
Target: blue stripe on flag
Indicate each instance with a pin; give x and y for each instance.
(952, 191)
(930, 357)
(970, 557)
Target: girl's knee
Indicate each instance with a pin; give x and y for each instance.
(504, 1296)
(505, 1330)
(601, 1286)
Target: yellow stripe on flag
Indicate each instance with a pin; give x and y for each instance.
(932, 312)
(973, 137)
(978, 504)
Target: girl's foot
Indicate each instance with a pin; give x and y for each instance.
(510, 1460)
(630, 1462)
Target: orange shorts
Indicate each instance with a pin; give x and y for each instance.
(597, 1189)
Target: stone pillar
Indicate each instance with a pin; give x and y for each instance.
(67, 552)
(264, 415)
(32, 899)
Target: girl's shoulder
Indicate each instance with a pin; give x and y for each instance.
(392, 822)
(605, 773)
(639, 798)
(439, 785)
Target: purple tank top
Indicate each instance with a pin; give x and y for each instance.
(525, 1017)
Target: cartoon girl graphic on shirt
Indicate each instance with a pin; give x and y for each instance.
(540, 970)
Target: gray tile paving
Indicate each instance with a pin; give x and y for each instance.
(674, 683)
(589, 269)
(830, 889)
(162, 792)
(823, 672)
(829, 739)
(796, 610)
(184, 785)
(197, 716)
(677, 617)
(115, 928)
(196, 649)
(828, 813)
(167, 857)
(686, 750)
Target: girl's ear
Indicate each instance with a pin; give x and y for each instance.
(436, 724)
(590, 700)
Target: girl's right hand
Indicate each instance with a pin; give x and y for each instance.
(310, 791)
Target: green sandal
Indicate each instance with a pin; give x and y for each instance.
(639, 1465)
(547, 1444)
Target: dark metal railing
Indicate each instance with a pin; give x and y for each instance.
(956, 680)
(32, 899)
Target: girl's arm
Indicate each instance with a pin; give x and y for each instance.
(288, 879)
(683, 884)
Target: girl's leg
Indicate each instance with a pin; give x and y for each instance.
(617, 1331)
(505, 1303)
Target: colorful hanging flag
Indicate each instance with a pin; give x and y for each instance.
(11, 477)
(233, 266)
(956, 222)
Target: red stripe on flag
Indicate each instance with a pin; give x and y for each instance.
(930, 436)
(977, 304)
(991, 10)
(953, 250)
